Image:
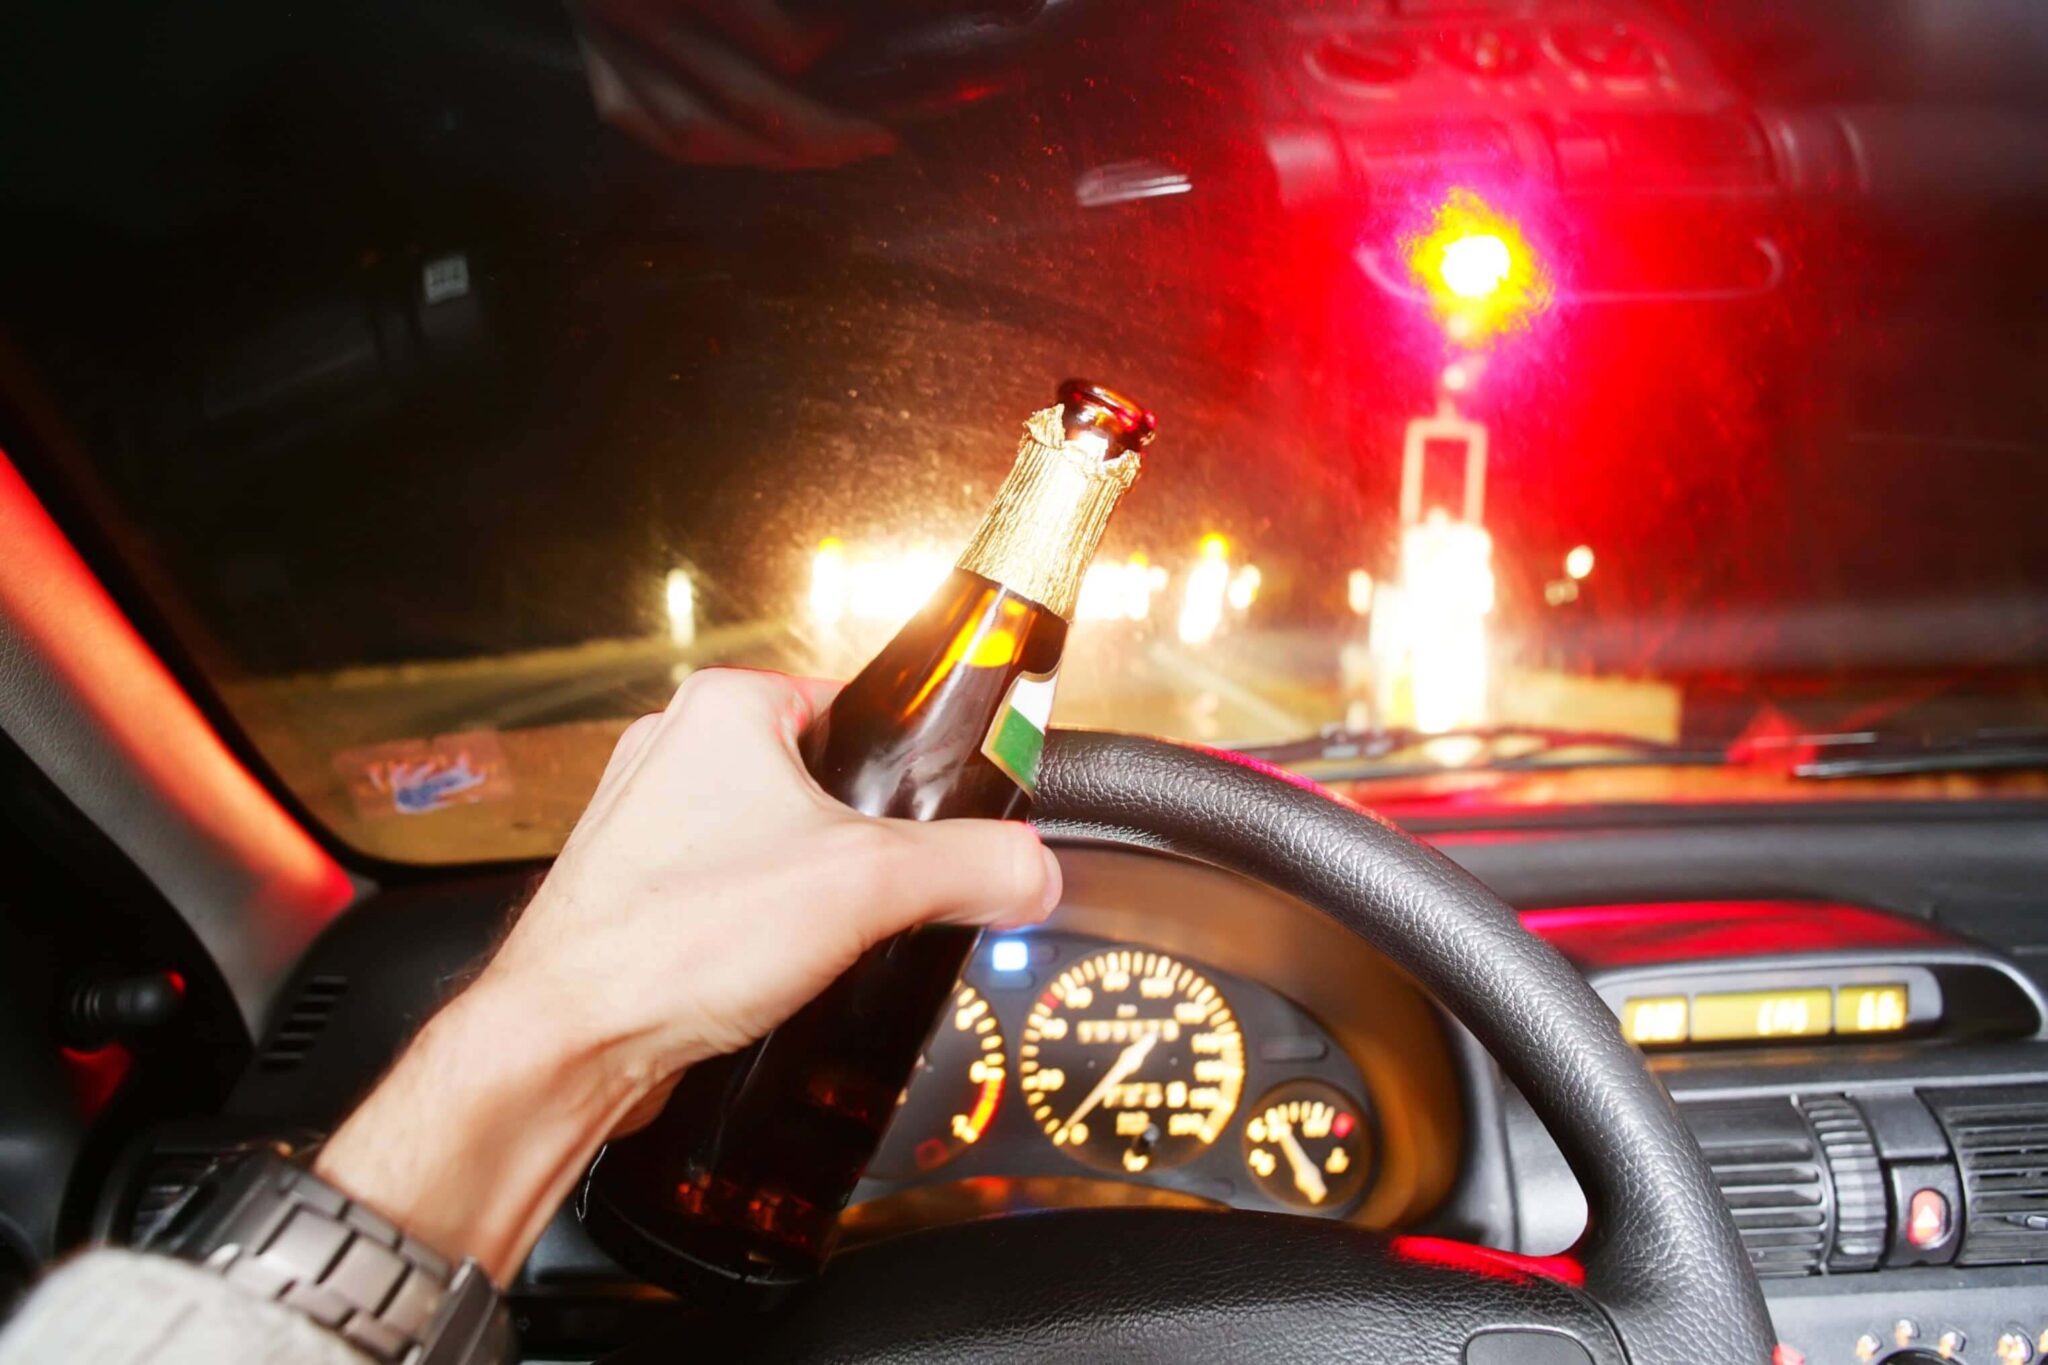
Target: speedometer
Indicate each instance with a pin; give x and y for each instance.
(1131, 1061)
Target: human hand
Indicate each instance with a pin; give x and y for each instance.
(709, 890)
(713, 888)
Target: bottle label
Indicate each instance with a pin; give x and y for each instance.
(1016, 737)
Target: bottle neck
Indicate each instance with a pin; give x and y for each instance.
(1049, 516)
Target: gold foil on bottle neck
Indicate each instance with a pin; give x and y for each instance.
(1048, 517)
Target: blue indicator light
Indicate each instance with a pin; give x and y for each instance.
(1009, 955)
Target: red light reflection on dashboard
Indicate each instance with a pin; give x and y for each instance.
(1685, 931)
(1478, 1260)
(96, 1074)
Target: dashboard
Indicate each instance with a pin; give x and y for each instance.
(1856, 1075)
(1107, 1057)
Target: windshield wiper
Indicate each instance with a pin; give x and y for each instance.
(1877, 753)
(1493, 748)
(1397, 751)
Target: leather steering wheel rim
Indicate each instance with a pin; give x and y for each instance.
(1661, 1254)
(1666, 1279)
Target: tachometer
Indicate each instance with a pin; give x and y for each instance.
(1131, 1061)
(952, 1096)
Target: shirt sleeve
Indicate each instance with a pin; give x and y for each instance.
(125, 1308)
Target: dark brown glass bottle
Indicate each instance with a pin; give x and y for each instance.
(734, 1192)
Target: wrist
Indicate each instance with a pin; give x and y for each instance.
(278, 1233)
(482, 1128)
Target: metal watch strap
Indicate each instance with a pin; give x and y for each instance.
(278, 1231)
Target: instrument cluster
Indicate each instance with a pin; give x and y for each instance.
(1063, 1055)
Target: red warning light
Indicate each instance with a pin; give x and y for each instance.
(1480, 273)
(1342, 1125)
(1475, 266)
(1927, 1219)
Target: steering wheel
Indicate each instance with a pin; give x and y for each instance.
(1665, 1279)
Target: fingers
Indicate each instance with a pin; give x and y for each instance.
(757, 683)
(736, 728)
(627, 756)
(815, 693)
(978, 872)
(751, 699)
(721, 698)
(633, 742)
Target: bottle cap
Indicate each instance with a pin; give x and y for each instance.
(1124, 423)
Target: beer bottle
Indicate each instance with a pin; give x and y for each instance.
(733, 1193)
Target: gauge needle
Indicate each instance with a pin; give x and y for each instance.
(1307, 1178)
(1127, 1061)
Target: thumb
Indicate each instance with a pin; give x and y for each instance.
(978, 872)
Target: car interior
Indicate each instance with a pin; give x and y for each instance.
(1572, 681)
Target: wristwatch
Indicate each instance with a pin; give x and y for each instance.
(267, 1225)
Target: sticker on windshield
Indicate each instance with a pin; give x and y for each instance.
(1016, 737)
(421, 776)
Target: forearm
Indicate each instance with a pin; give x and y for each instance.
(482, 1128)
(708, 892)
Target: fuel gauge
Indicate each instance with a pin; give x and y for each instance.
(1307, 1146)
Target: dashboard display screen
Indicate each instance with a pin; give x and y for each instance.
(1727, 1015)
(1764, 1015)
(1870, 1009)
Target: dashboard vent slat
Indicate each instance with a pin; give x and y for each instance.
(295, 1035)
(1766, 1163)
(2000, 1137)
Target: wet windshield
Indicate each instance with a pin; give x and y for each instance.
(454, 379)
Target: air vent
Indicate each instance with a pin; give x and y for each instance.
(1767, 1164)
(303, 1023)
(2001, 1144)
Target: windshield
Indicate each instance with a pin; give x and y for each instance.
(457, 378)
